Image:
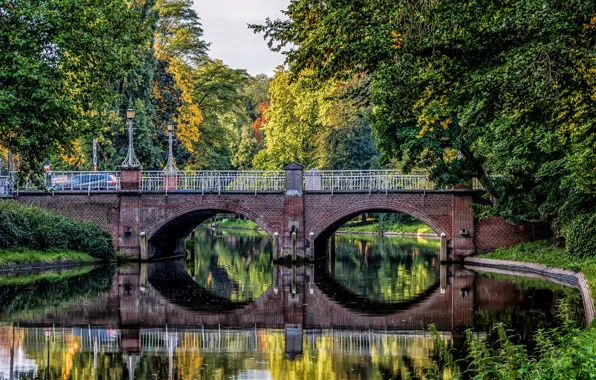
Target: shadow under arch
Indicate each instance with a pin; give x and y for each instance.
(171, 281)
(168, 236)
(350, 300)
(327, 226)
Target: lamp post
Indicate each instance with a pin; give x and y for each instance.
(131, 160)
(10, 161)
(170, 166)
(94, 155)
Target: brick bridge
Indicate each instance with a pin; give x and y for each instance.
(149, 214)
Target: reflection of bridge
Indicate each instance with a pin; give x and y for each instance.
(152, 213)
(294, 299)
(137, 317)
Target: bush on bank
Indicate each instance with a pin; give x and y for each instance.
(33, 227)
(580, 236)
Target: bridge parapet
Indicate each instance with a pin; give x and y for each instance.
(218, 181)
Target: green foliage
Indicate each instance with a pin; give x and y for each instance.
(313, 123)
(561, 353)
(61, 61)
(467, 90)
(580, 236)
(36, 228)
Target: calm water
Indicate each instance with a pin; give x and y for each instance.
(229, 312)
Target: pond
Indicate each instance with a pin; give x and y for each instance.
(228, 311)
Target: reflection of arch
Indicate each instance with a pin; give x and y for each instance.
(167, 234)
(350, 300)
(329, 224)
(171, 281)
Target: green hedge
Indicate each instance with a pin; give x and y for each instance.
(580, 236)
(33, 227)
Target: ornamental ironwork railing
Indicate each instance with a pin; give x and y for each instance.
(364, 180)
(213, 181)
(72, 181)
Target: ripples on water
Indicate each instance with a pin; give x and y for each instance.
(229, 312)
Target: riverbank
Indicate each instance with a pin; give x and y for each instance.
(416, 229)
(565, 353)
(16, 259)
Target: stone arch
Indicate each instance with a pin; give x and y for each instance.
(329, 224)
(180, 221)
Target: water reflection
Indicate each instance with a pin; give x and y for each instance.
(237, 266)
(229, 312)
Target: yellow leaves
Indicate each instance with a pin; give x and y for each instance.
(74, 157)
(591, 24)
(397, 40)
(433, 113)
(190, 115)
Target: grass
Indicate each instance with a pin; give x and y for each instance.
(542, 252)
(238, 223)
(407, 228)
(27, 255)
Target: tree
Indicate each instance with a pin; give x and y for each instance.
(467, 90)
(312, 123)
(61, 61)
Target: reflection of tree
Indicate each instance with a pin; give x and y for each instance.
(385, 269)
(232, 266)
(59, 354)
(49, 293)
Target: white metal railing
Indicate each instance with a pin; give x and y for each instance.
(213, 181)
(73, 181)
(364, 180)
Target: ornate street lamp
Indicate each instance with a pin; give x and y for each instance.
(131, 160)
(170, 167)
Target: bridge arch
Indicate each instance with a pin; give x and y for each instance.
(327, 225)
(166, 236)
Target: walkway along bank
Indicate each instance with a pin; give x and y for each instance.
(149, 214)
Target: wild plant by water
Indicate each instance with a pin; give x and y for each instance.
(553, 357)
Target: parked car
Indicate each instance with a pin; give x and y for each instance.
(92, 181)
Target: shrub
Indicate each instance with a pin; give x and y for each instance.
(580, 236)
(33, 227)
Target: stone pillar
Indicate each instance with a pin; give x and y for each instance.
(130, 179)
(129, 240)
(462, 234)
(293, 220)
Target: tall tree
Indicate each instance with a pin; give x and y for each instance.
(313, 123)
(60, 63)
(467, 89)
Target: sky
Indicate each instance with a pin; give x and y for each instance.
(225, 27)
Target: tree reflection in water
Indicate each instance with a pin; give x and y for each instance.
(228, 311)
